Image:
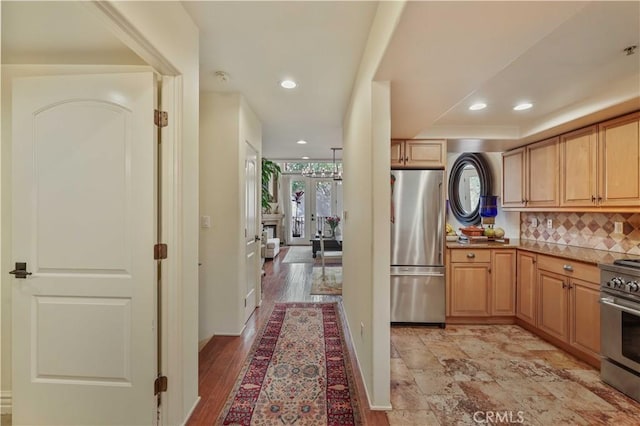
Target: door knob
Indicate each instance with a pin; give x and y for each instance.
(21, 270)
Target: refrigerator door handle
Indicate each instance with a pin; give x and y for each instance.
(440, 237)
(415, 274)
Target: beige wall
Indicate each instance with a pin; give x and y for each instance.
(226, 124)
(167, 29)
(366, 161)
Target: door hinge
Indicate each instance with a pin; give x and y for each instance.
(160, 251)
(160, 384)
(160, 118)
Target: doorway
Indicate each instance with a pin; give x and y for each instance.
(312, 201)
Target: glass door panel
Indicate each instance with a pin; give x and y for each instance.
(298, 225)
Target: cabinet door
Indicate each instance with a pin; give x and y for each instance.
(513, 176)
(619, 161)
(425, 153)
(526, 294)
(503, 276)
(578, 165)
(397, 152)
(552, 304)
(584, 316)
(470, 289)
(543, 171)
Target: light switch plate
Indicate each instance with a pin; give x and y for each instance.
(205, 221)
(534, 222)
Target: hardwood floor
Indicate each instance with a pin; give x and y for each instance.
(223, 356)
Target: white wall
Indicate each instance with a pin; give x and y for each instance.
(226, 123)
(366, 159)
(509, 221)
(168, 30)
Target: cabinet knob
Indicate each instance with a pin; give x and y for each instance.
(471, 255)
(567, 268)
(593, 198)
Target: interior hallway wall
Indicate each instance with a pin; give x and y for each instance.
(366, 228)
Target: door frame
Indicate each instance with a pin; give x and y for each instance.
(172, 408)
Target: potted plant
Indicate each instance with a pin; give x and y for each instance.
(333, 222)
(270, 171)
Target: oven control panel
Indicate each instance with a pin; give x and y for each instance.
(620, 283)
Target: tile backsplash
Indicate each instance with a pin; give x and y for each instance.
(590, 230)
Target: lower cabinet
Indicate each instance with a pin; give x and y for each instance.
(568, 304)
(482, 283)
(526, 288)
(553, 297)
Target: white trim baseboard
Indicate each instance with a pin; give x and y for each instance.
(6, 402)
(355, 353)
(186, 419)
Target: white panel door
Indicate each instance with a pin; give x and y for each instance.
(84, 212)
(252, 245)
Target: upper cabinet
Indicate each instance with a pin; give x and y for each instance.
(530, 175)
(418, 153)
(513, 178)
(542, 174)
(619, 161)
(593, 168)
(578, 167)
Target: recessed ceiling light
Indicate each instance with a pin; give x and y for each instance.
(305, 158)
(301, 142)
(288, 84)
(478, 106)
(522, 106)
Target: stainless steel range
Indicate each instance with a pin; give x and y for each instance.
(620, 325)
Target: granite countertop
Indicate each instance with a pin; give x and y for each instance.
(582, 254)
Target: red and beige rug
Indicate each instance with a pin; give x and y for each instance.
(298, 372)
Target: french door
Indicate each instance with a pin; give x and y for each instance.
(312, 200)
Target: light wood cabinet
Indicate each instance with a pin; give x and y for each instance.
(513, 178)
(418, 153)
(526, 288)
(619, 161)
(397, 152)
(470, 289)
(590, 169)
(584, 310)
(553, 304)
(568, 304)
(542, 178)
(530, 175)
(503, 286)
(578, 167)
(482, 282)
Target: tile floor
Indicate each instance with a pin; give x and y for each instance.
(496, 374)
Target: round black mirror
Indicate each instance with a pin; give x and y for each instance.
(470, 177)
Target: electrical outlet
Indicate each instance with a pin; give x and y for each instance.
(534, 222)
(617, 227)
(549, 223)
(361, 329)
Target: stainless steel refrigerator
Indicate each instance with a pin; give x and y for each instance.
(417, 246)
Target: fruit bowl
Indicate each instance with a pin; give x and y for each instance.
(472, 231)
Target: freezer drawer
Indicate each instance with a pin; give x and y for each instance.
(418, 295)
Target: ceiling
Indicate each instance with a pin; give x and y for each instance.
(564, 57)
(48, 32)
(316, 43)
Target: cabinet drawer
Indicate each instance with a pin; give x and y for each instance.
(471, 256)
(569, 268)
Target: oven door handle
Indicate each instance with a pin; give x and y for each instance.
(609, 302)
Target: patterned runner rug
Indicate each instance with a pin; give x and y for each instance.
(298, 372)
